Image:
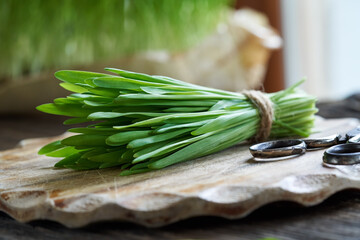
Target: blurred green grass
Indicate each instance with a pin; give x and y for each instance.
(41, 34)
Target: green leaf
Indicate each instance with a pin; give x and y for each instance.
(121, 83)
(107, 115)
(104, 115)
(73, 87)
(106, 92)
(72, 76)
(126, 137)
(152, 147)
(109, 165)
(171, 97)
(157, 102)
(140, 142)
(64, 109)
(85, 140)
(69, 160)
(223, 121)
(84, 164)
(48, 148)
(62, 152)
(64, 101)
(223, 104)
(75, 121)
(93, 130)
(169, 127)
(108, 157)
(186, 109)
(131, 172)
(94, 151)
(126, 165)
(139, 76)
(128, 156)
(176, 117)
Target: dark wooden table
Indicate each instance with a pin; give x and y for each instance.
(336, 218)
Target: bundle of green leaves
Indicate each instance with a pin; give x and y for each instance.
(139, 122)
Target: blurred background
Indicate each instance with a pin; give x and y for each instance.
(228, 44)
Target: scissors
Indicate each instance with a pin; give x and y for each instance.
(344, 149)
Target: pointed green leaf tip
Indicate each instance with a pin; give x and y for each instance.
(51, 147)
(70, 110)
(72, 76)
(73, 88)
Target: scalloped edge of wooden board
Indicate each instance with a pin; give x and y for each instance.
(224, 184)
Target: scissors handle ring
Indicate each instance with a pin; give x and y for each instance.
(343, 154)
(278, 148)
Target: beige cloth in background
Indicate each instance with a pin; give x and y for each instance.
(232, 58)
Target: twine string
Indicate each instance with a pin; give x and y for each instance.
(264, 105)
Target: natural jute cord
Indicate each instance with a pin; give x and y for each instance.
(264, 104)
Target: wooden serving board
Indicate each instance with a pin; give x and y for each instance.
(229, 184)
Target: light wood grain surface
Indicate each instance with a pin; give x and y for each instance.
(228, 184)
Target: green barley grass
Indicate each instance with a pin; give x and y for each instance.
(139, 122)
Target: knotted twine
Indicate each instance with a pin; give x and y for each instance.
(266, 111)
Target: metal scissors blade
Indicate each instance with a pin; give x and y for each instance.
(348, 152)
(315, 143)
